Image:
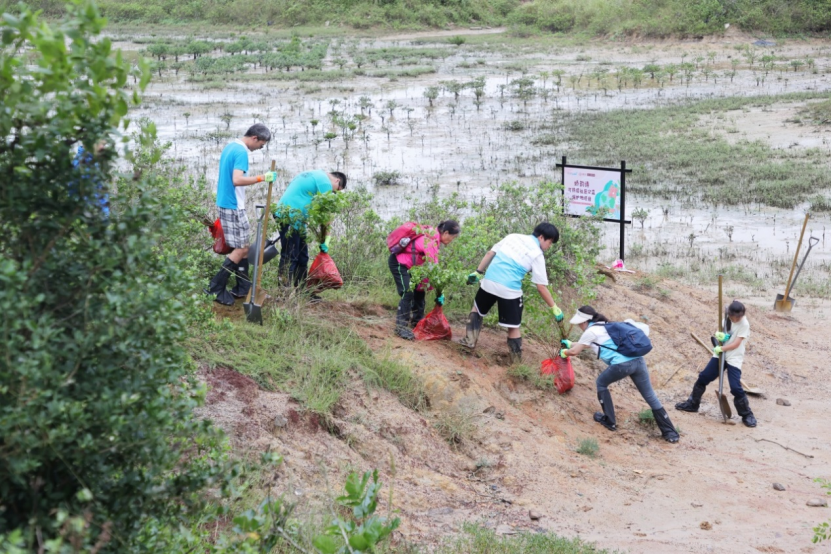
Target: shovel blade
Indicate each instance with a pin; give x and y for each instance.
(782, 304)
(253, 313)
(724, 405)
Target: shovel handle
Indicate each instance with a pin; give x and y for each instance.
(796, 255)
(264, 234)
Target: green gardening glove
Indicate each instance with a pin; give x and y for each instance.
(270, 176)
(473, 278)
(558, 313)
(566, 343)
(440, 300)
(564, 353)
(324, 247)
(722, 337)
(717, 350)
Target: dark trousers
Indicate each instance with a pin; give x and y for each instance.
(294, 255)
(411, 306)
(734, 375)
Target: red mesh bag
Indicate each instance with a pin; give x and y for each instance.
(434, 326)
(324, 274)
(220, 247)
(562, 371)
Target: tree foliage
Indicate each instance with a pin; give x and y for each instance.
(98, 444)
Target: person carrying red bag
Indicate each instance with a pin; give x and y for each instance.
(422, 243)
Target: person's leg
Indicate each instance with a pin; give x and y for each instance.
(402, 284)
(219, 283)
(243, 280)
(707, 376)
(510, 317)
(641, 379)
(237, 230)
(419, 304)
(610, 375)
(740, 399)
(482, 304)
(285, 255)
(302, 268)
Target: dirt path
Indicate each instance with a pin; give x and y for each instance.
(712, 492)
(461, 31)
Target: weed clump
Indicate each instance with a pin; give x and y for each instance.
(588, 447)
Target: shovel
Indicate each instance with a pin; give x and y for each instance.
(813, 241)
(726, 412)
(254, 310)
(784, 303)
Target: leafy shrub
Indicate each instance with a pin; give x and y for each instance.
(99, 444)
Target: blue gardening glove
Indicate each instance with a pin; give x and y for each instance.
(324, 247)
(558, 313)
(473, 278)
(270, 176)
(564, 353)
(722, 337)
(440, 300)
(566, 343)
(717, 350)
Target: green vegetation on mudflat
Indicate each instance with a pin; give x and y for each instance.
(650, 18)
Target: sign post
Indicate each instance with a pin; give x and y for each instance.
(596, 191)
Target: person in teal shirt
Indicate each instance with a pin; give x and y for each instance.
(293, 210)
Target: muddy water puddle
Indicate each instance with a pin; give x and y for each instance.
(463, 148)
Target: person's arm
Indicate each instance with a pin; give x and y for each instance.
(546, 295)
(575, 349)
(486, 261)
(240, 179)
(732, 345)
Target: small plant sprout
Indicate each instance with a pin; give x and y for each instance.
(691, 237)
(457, 40)
(588, 447)
(431, 93)
(314, 123)
(729, 231)
(646, 417)
(226, 118)
(186, 115)
(640, 215)
(329, 136)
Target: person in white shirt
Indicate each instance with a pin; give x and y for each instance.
(596, 337)
(734, 343)
(506, 264)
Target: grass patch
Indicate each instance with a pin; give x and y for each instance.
(308, 357)
(820, 204)
(670, 145)
(475, 539)
(588, 447)
(647, 282)
(456, 425)
(646, 417)
(532, 376)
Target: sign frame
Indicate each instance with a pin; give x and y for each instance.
(622, 170)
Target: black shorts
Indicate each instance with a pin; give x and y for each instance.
(510, 310)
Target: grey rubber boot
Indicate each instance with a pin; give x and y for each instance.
(474, 326)
(515, 347)
(665, 425)
(692, 403)
(606, 418)
(743, 409)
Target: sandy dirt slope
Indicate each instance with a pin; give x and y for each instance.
(712, 492)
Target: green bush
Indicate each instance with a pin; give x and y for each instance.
(98, 444)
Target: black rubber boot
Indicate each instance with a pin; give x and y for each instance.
(692, 403)
(402, 317)
(219, 283)
(665, 425)
(419, 302)
(743, 409)
(474, 326)
(243, 281)
(515, 347)
(606, 418)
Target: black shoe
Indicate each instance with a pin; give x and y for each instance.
(604, 421)
(743, 409)
(692, 403)
(243, 284)
(607, 417)
(665, 425)
(315, 299)
(405, 333)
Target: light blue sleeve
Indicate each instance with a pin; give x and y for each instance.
(324, 184)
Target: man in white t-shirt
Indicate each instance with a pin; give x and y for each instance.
(506, 264)
(734, 342)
